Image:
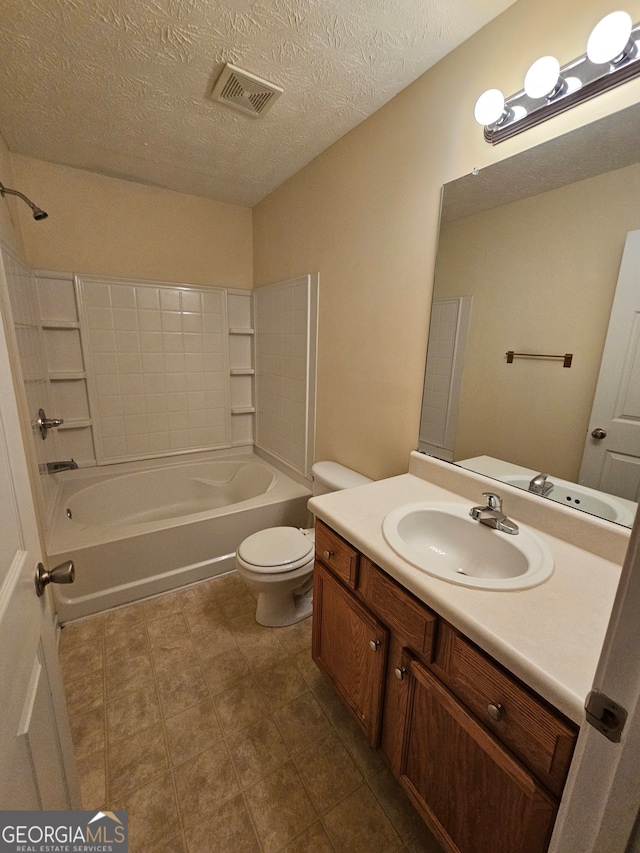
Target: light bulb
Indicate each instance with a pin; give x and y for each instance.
(609, 38)
(490, 107)
(543, 77)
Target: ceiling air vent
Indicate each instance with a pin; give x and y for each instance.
(245, 91)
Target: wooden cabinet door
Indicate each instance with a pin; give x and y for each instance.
(350, 647)
(473, 794)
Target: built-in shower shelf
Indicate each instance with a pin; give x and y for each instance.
(242, 371)
(60, 324)
(243, 410)
(67, 377)
(237, 330)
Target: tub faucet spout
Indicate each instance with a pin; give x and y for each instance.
(63, 465)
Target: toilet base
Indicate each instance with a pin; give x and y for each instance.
(277, 610)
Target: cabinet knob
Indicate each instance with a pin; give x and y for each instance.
(373, 644)
(496, 712)
(400, 672)
(328, 554)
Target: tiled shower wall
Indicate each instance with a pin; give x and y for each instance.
(158, 361)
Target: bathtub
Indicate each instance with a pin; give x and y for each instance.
(133, 532)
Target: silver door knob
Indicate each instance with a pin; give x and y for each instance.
(599, 433)
(64, 573)
(44, 423)
(400, 672)
(373, 644)
(496, 712)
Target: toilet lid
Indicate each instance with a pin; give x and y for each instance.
(276, 548)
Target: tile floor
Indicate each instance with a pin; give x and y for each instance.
(221, 736)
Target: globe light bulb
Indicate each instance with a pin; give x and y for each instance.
(542, 78)
(609, 38)
(490, 107)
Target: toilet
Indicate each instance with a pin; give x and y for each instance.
(277, 563)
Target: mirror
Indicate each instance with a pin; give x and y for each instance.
(528, 259)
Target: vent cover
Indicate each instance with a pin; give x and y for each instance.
(245, 91)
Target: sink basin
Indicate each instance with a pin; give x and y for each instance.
(443, 540)
(579, 497)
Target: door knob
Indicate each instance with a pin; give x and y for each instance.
(64, 573)
(44, 423)
(598, 432)
(373, 644)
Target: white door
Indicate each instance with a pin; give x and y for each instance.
(36, 758)
(600, 809)
(611, 460)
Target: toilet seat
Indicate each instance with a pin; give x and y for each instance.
(276, 550)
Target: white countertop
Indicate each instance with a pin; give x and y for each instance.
(549, 636)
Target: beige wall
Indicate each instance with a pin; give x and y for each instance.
(542, 273)
(365, 215)
(106, 226)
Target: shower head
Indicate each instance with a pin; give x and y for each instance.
(38, 213)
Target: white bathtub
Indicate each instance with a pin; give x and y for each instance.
(135, 533)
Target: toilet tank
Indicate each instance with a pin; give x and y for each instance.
(331, 477)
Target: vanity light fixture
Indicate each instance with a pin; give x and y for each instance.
(612, 58)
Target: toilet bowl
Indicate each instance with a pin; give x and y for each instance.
(277, 563)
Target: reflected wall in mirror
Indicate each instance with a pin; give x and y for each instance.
(530, 252)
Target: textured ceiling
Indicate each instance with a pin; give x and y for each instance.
(121, 87)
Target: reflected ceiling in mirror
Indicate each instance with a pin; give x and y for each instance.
(529, 256)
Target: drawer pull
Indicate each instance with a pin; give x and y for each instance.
(400, 672)
(373, 644)
(328, 554)
(496, 712)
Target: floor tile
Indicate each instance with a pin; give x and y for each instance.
(171, 625)
(226, 828)
(129, 673)
(172, 654)
(280, 808)
(402, 814)
(240, 706)
(281, 683)
(88, 732)
(192, 731)
(359, 825)
(328, 772)
(92, 773)
(312, 840)
(223, 671)
(302, 722)
(132, 712)
(153, 813)
(135, 760)
(86, 692)
(204, 782)
(257, 750)
(182, 689)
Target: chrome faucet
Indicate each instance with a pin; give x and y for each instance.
(64, 465)
(540, 485)
(492, 514)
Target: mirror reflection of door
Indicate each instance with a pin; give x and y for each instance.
(611, 462)
(448, 331)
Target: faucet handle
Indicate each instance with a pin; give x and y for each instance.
(493, 501)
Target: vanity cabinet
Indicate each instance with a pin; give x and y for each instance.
(482, 757)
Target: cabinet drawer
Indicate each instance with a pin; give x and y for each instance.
(541, 737)
(399, 610)
(337, 554)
